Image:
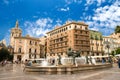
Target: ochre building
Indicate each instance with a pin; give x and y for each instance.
(74, 35)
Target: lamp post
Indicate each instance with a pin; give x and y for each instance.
(108, 47)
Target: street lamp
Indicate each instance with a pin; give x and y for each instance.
(108, 47)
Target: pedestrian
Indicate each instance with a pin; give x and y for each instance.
(118, 62)
(25, 64)
(103, 60)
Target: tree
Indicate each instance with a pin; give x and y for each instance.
(5, 54)
(117, 29)
(115, 52)
(118, 51)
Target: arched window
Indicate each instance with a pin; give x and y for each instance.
(75, 26)
(30, 42)
(35, 43)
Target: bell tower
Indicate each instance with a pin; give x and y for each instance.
(15, 32)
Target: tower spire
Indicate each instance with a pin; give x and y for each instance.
(17, 24)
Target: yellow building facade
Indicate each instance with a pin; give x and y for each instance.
(96, 43)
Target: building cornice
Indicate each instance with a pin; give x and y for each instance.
(64, 25)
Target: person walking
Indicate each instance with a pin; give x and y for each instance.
(25, 64)
(119, 62)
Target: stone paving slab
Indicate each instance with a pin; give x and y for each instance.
(15, 72)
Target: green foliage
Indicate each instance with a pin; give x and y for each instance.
(101, 37)
(5, 54)
(113, 53)
(95, 35)
(117, 29)
(91, 36)
(118, 51)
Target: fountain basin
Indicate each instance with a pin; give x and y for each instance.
(64, 69)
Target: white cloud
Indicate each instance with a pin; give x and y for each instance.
(97, 2)
(64, 9)
(72, 1)
(35, 16)
(58, 22)
(6, 2)
(106, 18)
(89, 2)
(94, 28)
(108, 14)
(39, 27)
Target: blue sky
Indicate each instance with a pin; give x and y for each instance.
(36, 17)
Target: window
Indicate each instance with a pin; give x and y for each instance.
(62, 30)
(35, 43)
(65, 43)
(19, 34)
(30, 42)
(76, 36)
(69, 26)
(75, 26)
(97, 54)
(35, 50)
(30, 50)
(20, 41)
(19, 50)
(97, 48)
(66, 28)
(76, 42)
(81, 32)
(92, 48)
(81, 42)
(61, 39)
(85, 28)
(75, 30)
(101, 49)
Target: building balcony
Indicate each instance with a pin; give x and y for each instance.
(60, 47)
(81, 39)
(59, 42)
(79, 34)
(81, 44)
(91, 43)
(95, 51)
(18, 52)
(63, 36)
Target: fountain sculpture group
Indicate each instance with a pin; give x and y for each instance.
(67, 65)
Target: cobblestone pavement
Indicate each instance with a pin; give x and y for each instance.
(15, 72)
